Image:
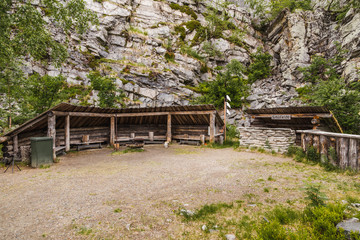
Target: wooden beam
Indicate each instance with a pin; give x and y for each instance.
(212, 127)
(303, 115)
(67, 133)
(323, 148)
(168, 132)
(15, 145)
(52, 130)
(27, 125)
(4, 139)
(329, 134)
(303, 142)
(89, 114)
(112, 131)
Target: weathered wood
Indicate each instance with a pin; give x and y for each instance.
(15, 145)
(221, 139)
(151, 136)
(316, 143)
(212, 127)
(4, 139)
(168, 132)
(52, 131)
(119, 115)
(67, 133)
(202, 139)
(299, 115)
(132, 135)
(353, 154)
(329, 134)
(112, 131)
(28, 124)
(308, 141)
(303, 142)
(323, 148)
(344, 153)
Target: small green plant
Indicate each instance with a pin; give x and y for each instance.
(184, 9)
(44, 166)
(260, 67)
(205, 211)
(117, 210)
(270, 178)
(283, 215)
(261, 150)
(85, 231)
(266, 190)
(267, 144)
(312, 155)
(314, 195)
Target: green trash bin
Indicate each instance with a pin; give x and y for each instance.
(41, 151)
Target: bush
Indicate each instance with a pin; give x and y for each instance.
(283, 215)
(312, 155)
(314, 195)
(260, 67)
(271, 231)
(184, 9)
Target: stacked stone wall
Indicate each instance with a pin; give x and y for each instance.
(278, 139)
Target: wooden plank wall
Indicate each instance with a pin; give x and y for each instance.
(347, 147)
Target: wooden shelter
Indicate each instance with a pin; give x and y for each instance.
(71, 125)
(296, 118)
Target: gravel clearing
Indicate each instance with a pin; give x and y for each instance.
(95, 195)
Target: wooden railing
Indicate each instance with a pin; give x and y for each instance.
(345, 147)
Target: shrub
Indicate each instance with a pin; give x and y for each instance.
(314, 195)
(170, 56)
(184, 9)
(283, 215)
(260, 67)
(312, 155)
(272, 230)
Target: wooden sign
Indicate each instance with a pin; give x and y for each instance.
(281, 117)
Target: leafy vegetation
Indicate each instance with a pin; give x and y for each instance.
(269, 10)
(327, 88)
(184, 9)
(109, 95)
(230, 82)
(260, 67)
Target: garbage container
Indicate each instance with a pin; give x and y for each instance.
(41, 151)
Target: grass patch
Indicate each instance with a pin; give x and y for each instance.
(205, 211)
(128, 150)
(227, 144)
(44, 166)
(118, 210)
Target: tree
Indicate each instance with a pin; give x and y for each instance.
(109, 95)
(24, 36)
(327, 88)
(230, 82)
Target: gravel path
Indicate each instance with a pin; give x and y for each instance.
(96, 195)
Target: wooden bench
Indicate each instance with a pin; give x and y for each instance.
(85, 145)
(190, 142)
(59, 150)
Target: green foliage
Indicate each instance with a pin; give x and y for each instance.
(184, 9)
(109, 95)
(260, 67)
(327, 88)
(342, 8)
(24, 35)
(185, 49)
(170, 56)
(211, 50)
(266, 11)
(229, 83)
(193, 25)
(283, 215)
(232, 132)
(314, 195)
(312, 155)
(205, 211)
(272, 231)
(181, 30)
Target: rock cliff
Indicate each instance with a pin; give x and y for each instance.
(137, 42)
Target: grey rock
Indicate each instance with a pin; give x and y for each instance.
(230, 237)
(350, 225)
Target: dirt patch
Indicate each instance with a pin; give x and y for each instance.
(93, 194)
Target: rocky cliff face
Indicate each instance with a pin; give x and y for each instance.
(134, 37)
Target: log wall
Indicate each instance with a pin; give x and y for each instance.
(346, 147)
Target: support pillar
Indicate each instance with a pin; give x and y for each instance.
(112, 131)
(67, 133)
(52, 130)
(212, 127)
(168, 133)
(16, 145)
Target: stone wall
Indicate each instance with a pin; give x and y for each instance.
(278, 139)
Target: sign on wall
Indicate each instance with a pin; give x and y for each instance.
(281, 117)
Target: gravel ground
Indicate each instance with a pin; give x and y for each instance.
(95, 195)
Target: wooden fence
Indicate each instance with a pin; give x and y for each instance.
(341, 150)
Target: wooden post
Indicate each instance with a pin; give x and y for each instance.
(353, 154)
(67, 133)
(221, 140)
(15, 145)
(151, 136)
(344, 153)
(52, 130)
(212, 127)
(112, 131)
(132, 135)
(202, 139)
(168, 133)
(316, 143)
(308, 141)
(323, 148)
(303, 142)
